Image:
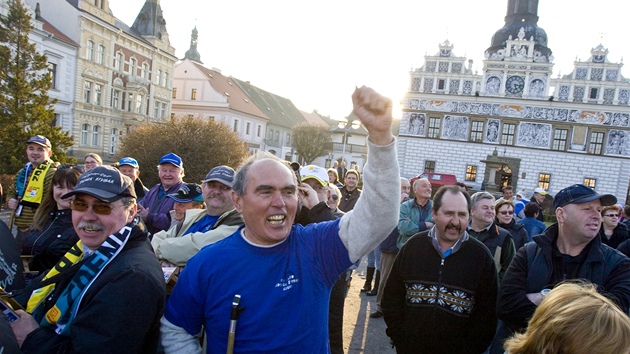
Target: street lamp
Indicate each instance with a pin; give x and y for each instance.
(347, 126)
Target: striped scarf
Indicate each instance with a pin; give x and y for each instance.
(60, 316)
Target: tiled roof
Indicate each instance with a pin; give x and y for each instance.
(315, 118)
(280, 110)
(55, 32)
(237, 99)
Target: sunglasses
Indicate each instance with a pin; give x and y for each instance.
(334, 196)
(98, 208)
(612, 215)
(505, 212)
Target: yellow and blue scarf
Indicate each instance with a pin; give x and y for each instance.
(60, 316)
(32, 192)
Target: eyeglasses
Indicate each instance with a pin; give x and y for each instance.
(98, 208)
(334, 196)
(612, 215)
(505, 212)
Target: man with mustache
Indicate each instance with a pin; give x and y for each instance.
(441, 293)
(201, 227)
(107, 293)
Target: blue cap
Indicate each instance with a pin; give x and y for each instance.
(578, 194)
(172, 159)
(105, 183)
(129, 161)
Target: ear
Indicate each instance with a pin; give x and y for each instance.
(238, 202)
(132, 212)
(49, 152)
(560, 215)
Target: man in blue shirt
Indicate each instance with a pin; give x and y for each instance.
(283, 272)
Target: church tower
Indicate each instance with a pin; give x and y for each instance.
(518, 62)
(192, 52)
(150, 23)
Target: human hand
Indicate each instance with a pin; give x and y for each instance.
(375, 113)
(308, 195)
(22, 327)
(143, 212)
(12, 203)
(403, 197)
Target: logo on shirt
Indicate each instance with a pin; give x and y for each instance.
(287, 284)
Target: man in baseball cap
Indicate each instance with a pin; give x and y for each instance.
(201, 227)
(317, 178)
(187, 197)
(154, 208)
(108, 272)
(539, 197)
(129, 167)
(32, 183)
(569, 249)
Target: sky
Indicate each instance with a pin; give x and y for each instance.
(315, 53)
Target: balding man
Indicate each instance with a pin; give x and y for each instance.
(415, 214)
(283, 272)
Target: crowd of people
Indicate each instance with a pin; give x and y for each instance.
(263, 257)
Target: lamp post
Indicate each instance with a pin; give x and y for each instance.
(347, 126)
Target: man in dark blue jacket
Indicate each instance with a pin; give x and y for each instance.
(569, 249)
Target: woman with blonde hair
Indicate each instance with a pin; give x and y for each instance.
(574, 318)
(92, 160)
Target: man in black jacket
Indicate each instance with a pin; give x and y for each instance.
(569, 249)
(441, 293)
(107, 293)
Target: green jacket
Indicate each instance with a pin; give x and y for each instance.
(409, 222)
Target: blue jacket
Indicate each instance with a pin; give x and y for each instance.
(159, 218)
(533, 226)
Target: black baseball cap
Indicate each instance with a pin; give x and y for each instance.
(578, 194)
(105, 183)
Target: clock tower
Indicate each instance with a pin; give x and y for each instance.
(518, 62)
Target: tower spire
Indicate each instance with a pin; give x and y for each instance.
(192, 52)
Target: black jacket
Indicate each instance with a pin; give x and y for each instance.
(620, 234)
(348, 199)
(500, 244)
(50, 244)
(518, 232)
(441, 305)
(539, 265)
(119, 313)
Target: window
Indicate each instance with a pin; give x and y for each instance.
(100, 55)
(471, 173)
(429, 166)
(132, 67)
(163, 112)
(87, 91)
(96, 130)
(165, 79)
(507, 136)
(288, 141)
(258, 131)
(270, 134)
(116, 99)
(597, 141)
(52, 70)
(476, 132)
(139, 103)
(156, 109)
(84, 133)
(145, 70)
(112, 145)
(158, 78)
(590, 182)
(543, 181)
(193, 94)
(559, 139)
(277, 136)
(98, 94)
(434, 128)
(235, 125)
(89, 50)
(174, 93)
(118, 62)
(129, 102)
(441, 84)
(593, 93)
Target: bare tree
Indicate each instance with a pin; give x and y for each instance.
(311, 140)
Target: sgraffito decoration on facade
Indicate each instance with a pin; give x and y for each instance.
(536, 135)
(455, 128)
(492, 131)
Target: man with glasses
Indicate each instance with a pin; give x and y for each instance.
(201, 227)
(107, 293)
(484, 228)
(569, 249)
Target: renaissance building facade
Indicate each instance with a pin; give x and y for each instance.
(513, 124)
